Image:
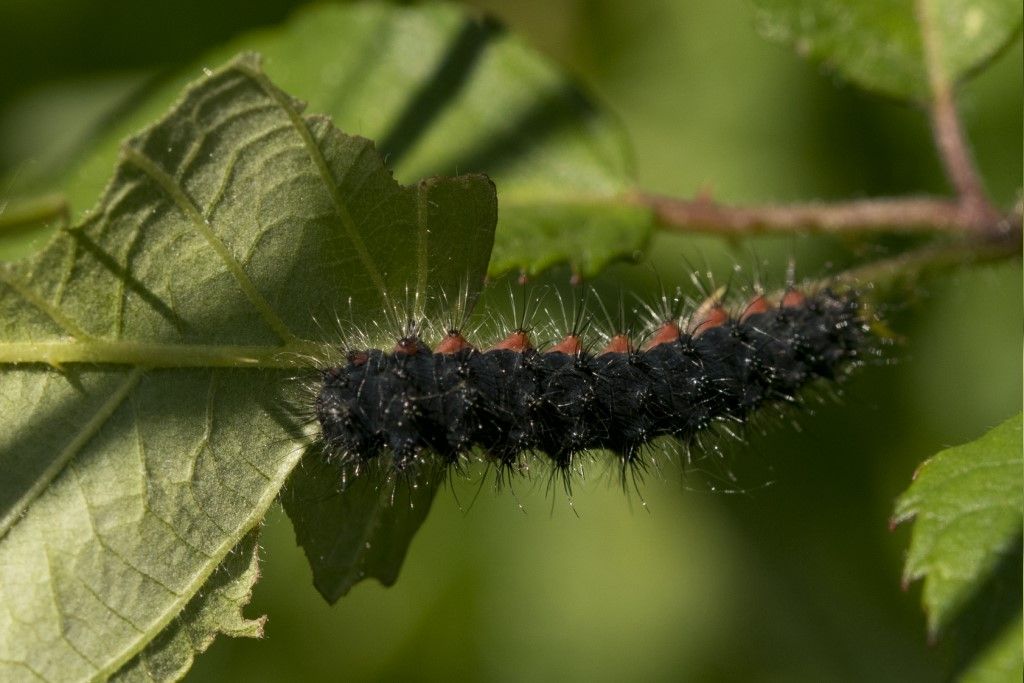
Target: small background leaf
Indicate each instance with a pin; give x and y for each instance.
(147, 415)
(878, 45)
(968, 507)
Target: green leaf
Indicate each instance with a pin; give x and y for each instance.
(882, 45)
(215, 609)
(364, 531)
(444, 92)
(147, 356)
(968, 507)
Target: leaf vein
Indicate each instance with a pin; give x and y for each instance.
(326, 176)
(192, 213)
(189, 483)
(24, 665)
(122, 283)
(160, 355)
(99, 599)
(148, 478)
(231, 163)
(114, 552)
(203, 134)
(53, 312)
(61, 623)
(76, 444)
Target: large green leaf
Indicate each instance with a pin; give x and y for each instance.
(968, 507)
(445, 92)
(147, 356)
(880, 44)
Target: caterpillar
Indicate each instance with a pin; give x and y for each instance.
(511, 400)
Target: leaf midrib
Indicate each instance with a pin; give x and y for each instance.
(161, 355)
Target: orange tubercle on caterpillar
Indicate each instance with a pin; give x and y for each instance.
(620, 343)
(570, 346)
(793, 298)
(715, 316)
(667, 333)
(759, 304)
(517, 340)
(452, 343)
(407, 346)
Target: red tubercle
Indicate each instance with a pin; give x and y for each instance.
(759, 304)
(358, 358)
(407, 346)
(668, 333)
(715, 316)
(517, 340)
(452, 343)
(571, 346)
(620, 343)
(793, 298)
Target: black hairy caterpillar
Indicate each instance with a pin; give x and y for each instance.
(513, 400)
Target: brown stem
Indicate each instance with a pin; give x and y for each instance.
(947, 130)
(909, 214)
(956, 158)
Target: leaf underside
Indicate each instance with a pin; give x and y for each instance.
(150, 411)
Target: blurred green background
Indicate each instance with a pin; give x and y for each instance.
(769, 561)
